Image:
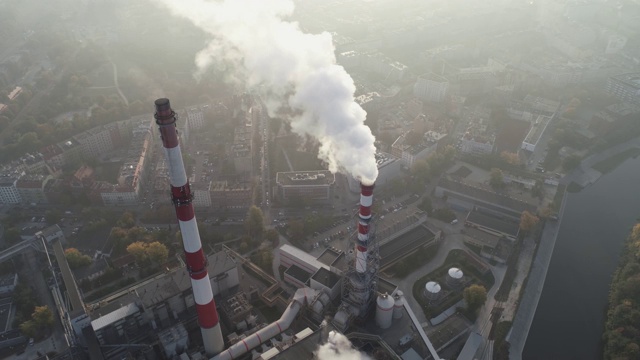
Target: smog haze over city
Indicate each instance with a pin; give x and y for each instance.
(302, 179)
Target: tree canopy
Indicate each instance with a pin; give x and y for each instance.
(496, 179)
(622, 328)
(528, 221)
(255, 222)
(475, 296)
(76, 259)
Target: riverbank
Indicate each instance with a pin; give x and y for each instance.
(583, 176)
(572, 305)
(517, 336)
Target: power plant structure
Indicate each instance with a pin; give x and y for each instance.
(182, 198)
(359, 282)
(318, 283)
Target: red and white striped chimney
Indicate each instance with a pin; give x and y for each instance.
(364, 217)
(196, 260)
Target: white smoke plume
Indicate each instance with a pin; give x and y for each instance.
(338, 347)
(296, 69)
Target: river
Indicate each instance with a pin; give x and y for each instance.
(569, 320)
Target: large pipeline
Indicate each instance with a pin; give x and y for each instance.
(182, 198)
(301, 298)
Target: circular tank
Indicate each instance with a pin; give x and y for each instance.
(454, 277)
(397, 305)
(384, 311)
(432, 290)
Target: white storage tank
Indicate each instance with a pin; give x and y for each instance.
(397, 305)
(454, 277)
(432, 290)
(384, 311)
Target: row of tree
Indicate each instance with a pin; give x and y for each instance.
(622, 328)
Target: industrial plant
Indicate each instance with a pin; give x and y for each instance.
(348, 299)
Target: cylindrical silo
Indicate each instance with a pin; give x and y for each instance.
(432, 290)
(454, 277)
(384, 311)
(397, 305)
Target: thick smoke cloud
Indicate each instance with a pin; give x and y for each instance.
(293, 70)
(338, 347)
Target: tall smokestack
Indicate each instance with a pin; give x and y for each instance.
(364, 217)
(181, 197)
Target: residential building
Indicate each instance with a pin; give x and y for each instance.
(195, 118)
(625, 87)
(431, 87)
(389, 168)
(409, 154)
(230, 195)
(9, 193)
(31, 188)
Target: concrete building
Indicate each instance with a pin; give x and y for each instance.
(195, 119)
(314, 185)
(132, 172)
(431, 87)
(625, 87)
(409, 154)
(535, 133)
(389, 168)
(464, 196)
(150, 305)
(9, 193)
(493, 225)
(32, 188)
(8, 283)
(230, 195)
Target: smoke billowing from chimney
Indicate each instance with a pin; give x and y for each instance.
(293, 70)
(338, 347)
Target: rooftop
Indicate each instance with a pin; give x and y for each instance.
(630, 79)
(305, 178)
(298, 273)
(326, 277)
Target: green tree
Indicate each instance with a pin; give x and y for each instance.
(496, 179)
(29, 328)
(53, 216)
(272, 236)
(474, 296)
(157, 253)
(571, 162)
(255, 222)
(42, 316)
(12, 236)
(296, 230)
(127, 220)
(425, 205)
(76, 259)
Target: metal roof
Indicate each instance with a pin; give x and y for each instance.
(114, 316)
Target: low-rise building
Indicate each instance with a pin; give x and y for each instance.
(309, 185)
